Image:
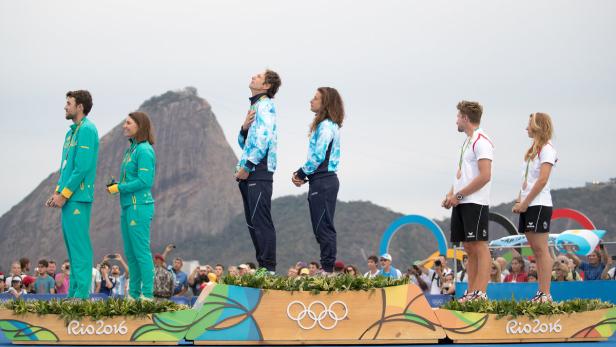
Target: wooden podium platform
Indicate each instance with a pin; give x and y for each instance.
(235, 315)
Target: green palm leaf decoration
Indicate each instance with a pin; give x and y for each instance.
(167, 326)
(16, 330)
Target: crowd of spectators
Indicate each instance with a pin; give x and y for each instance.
(433, 276)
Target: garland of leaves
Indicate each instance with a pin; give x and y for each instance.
(75, 310)
(314, 284)
(512, 308)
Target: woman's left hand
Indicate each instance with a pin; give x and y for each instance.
(520, 207)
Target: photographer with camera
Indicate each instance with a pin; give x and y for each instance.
(416, 276)
(107, 282)
(119, 279)
(433, 278)
(198, 277)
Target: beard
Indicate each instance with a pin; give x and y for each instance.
(460, 129)
(69, 116)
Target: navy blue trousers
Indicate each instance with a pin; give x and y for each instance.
(257, 197)
(322, 196)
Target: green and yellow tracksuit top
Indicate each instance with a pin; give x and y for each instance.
(137, 174)
(78, 167)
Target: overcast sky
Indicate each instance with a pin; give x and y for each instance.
(400, 66)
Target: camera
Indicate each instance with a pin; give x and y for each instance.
(437, 262)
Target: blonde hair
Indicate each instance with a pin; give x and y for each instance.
(496, 278)
(541, 130)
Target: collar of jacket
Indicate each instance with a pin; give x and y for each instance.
(75, 125)
(255, 98)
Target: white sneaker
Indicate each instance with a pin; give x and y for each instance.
(541, 297)
(472, 296)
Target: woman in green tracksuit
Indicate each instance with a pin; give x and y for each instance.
(137, 204)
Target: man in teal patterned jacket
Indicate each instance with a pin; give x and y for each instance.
(255, 170)
(74, 192)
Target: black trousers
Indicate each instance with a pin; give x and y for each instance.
(322, 196)
(257, 198)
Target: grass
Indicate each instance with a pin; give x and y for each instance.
(76, 310)
(512, 308)
(314, 284)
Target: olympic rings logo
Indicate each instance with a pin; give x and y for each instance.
(317, 318)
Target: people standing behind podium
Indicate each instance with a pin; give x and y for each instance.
(432, 277)
(387, 270)
(448, 287)
(462, 275)
(24, 262)
(503, 266)
(373, 269)
(44, 284)
(496, 275)
(181, 279)
(350, 270)
(198, 278)
(16, 289)
(51, 268)
(233, 270)
(320, 168)
(163, 279)
(593, 268)
(315, 268)
(517, 273)
(15, 271)
(609, 272)
(219, 271)
(107, 282)
(120, 279)
(560, 272)
(63, 278)
(417, 277)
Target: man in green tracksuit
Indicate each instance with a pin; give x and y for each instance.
(137, 174)
(75, 190)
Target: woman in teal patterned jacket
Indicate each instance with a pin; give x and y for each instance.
(136, 180)
(320, 170)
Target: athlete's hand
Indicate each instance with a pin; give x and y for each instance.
(113, 189)
(520, 207)
(57, 200)
(445, 203)
(450, 201)
(296, 180)
(250, 117)
(241, 174)
(453, 201)
(49, 201)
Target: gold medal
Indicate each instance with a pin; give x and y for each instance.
(459, 174)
